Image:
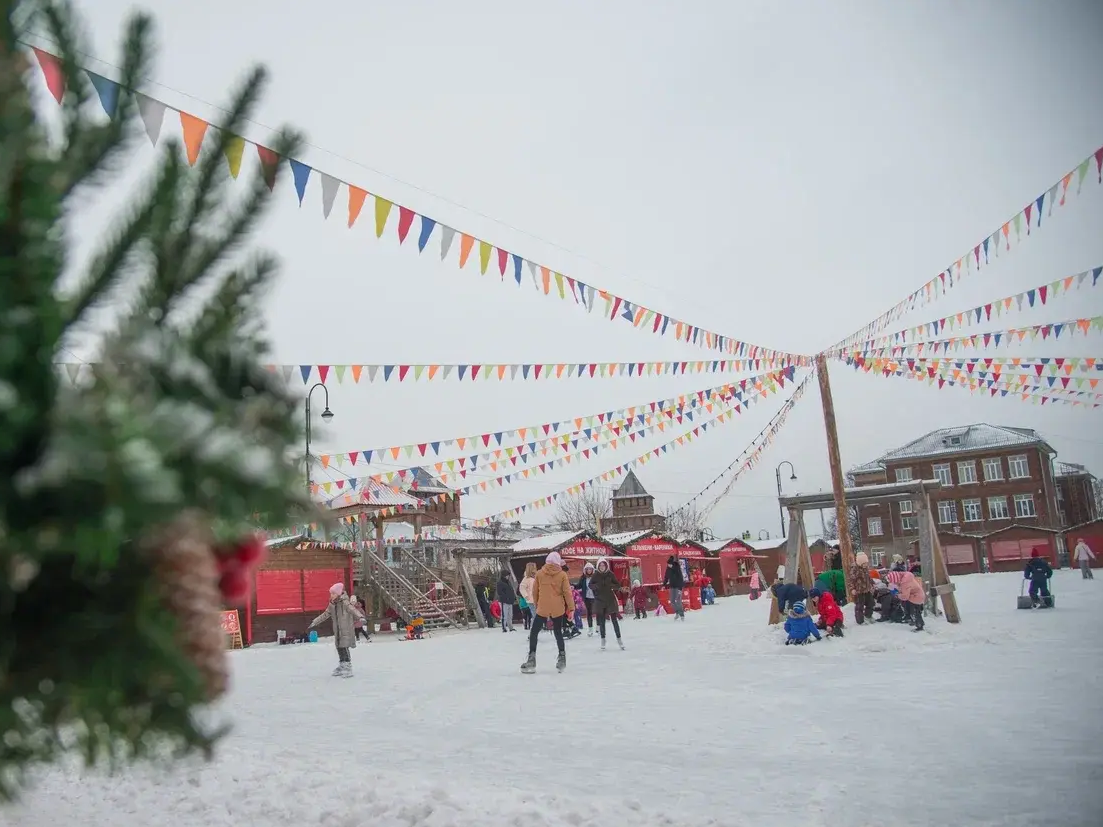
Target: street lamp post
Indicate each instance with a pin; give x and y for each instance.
(327, 415)
(777, 473)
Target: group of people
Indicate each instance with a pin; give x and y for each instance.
(898, 596)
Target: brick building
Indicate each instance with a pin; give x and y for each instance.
(1076, 503)
(992, 476)
(633, 509)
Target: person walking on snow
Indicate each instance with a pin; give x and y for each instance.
(361, 622)
(913, 597)
(1083, 555)
(605, 587)
(675, 581)
(506, 597)
(551, 594)
(587, 591)
(525, 588)
(639, 600)
(342, 614)
(862, 582)
(1038, 572)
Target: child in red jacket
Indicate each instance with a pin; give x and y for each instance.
(639, 600)
(831, 616)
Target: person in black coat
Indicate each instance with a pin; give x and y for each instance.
(1038, 572)
(675, 580)
(788, 595)
(506, 597)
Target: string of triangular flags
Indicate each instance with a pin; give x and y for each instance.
(1041, 366)
(1029, 217)
(570, 427)
(755, 455)
(612, 473)
(546, 280)
(516, 371)
(1033, 297)
(766, 435)
(724, 404)
(993, 338)
(994, 387)
(1078, 386)
(508, 457)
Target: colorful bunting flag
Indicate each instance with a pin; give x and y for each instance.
(614, 307)
(982, 253)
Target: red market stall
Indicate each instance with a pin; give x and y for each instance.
(574, 544)
(730, 564)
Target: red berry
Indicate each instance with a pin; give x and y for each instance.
(234, 585)
(250, 552)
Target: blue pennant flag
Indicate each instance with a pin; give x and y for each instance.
(427, 225)
(301, 173)
(108, 91)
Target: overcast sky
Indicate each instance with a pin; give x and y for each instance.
(778, 172)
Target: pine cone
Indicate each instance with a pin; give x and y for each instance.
(187, 572)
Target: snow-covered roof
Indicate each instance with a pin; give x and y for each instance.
(957, 440)
(716, 545)
(1072, 469)
(420, 480)
(630, 487)
(623, 538)
(373, 493)
(546, 542)
(272, 542)
(766, 545)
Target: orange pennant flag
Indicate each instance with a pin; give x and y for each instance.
(194, 129)
(466, 243)
(356, 203)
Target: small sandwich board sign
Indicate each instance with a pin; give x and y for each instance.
(231, 625)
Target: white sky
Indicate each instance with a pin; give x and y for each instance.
(780, 173)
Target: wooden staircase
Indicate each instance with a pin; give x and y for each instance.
(410, 587)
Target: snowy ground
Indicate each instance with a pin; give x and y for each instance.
(998, 721)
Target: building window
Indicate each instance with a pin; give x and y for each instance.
(1024, 505)
(906, 507)
(947, 512)
(997, 508)
(873, 526)
(971, 511)
(1018, 468)
(993, 470)
(876, 557)
(903, 475)
(942, 474)
(909, 523)
(967, 472)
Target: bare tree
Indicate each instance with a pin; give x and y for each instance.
(853, 523)
(687, 522)
(583, 511)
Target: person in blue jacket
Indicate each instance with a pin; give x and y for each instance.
(800, 626)
(1038, 572)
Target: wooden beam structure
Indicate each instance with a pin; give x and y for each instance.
(838, 483)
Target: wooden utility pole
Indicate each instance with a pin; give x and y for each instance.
(837, 483)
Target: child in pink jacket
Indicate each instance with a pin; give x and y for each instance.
(913, 598)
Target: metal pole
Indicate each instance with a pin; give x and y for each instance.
(780, 510)
(309, 393)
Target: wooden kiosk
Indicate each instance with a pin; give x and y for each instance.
(935, 576)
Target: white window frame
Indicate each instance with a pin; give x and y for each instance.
(903, 474)
(950, 511)
(876, 557)
(992, 515)
(909, 522)
(965, 504)
(871, 522)
(937, 471)
(1015, 460)
(910, 509)
(1025, 498)
(967, 477)
(998, 464)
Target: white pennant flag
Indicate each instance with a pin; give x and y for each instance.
(153, 115)
(446, 236)
(330, 185)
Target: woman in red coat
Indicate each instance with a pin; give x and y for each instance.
(831, 616)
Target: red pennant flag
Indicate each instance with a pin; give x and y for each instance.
(269, 162)
(503, 258)
(402, 371)
(405, 219)
(51, 71)
(323, 372)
